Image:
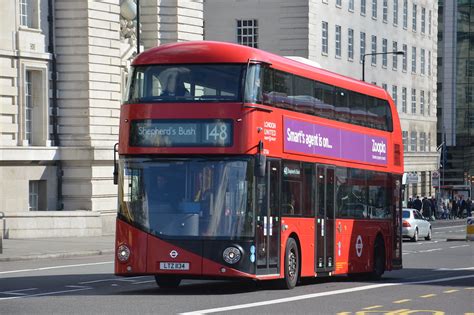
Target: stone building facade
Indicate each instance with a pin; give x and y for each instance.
(63, 66)
(336, 34)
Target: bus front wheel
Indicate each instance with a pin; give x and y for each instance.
(292, 264)
(379, 259)
(167, 282)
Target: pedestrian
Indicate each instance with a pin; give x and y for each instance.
(417, 203)
(410, 203)
(445, 214)
(435, 210)
(454, 208)
(468, 207)
(461, 206)
(426, 208)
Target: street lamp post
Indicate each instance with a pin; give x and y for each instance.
(379, 53)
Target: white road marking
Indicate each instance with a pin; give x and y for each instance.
(316, 295)
(459, 246)
(55, 267)
(18, 292)
(454, 269)
(44, 294)
(114, 279)
(430, 250)
(142, 282)
(448, 227)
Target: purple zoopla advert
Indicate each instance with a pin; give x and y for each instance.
(309, 138)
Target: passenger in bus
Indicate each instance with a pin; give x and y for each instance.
(173, 84)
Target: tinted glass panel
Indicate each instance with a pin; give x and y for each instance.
(291, 189)
(282, 90)
(358, 107)
(342, 110)
(324, 95)
(185, 83)
(303, 99)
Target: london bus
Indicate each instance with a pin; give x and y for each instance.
(236, 163)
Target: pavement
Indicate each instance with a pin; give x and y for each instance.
(60, 247)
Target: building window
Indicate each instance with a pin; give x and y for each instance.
(34, 119)
(362, 7)
(351, 5)
(422, 141)
(395, 12)
(338, 3)
(413, 59)
(374, 9)
(384, 86)
(405, 14)
(428, 106)
(394, 56)
(404, 99)
(422, 61)
(404, 60)
(384, 50)
(405, 140)
(413, 25)
(37, 195)
(362, 45)
(413, 101)
(247, 33)
(429, 22)
(413, 141)
(350, 44)
(324, 41)
(394, 95)
(374, 49)
(29, 106)
(429, 62)
(422, 102)
(423, 20)
(385, 10)
(429, 141)
(338, 41)
(29, 13)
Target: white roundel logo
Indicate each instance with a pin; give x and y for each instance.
(173, 254)
(359, 246)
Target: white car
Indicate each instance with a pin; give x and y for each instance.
(414, 225)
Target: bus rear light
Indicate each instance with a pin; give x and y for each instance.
(123, 253)
(406, 224)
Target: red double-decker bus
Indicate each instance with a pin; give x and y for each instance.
(238, 163)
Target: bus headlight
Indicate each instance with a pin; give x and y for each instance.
(232, 255)
(123, 253)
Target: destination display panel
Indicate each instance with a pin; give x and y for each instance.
(181, 133)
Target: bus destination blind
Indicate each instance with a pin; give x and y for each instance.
(309, 138)
(181, 133)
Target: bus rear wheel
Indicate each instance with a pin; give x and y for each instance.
(167, 282)
(292, 264)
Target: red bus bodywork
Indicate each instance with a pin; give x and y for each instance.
(354, 239)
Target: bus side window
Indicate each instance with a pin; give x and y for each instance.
(358, 109)
(303, 99)
(283, 84)
(324, 95)
(342, 105)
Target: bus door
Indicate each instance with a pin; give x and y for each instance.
(325, 220)
(268, 220)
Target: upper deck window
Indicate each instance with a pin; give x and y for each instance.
(268, 86)
(186, 83)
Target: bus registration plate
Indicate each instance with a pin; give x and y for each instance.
(174, 266)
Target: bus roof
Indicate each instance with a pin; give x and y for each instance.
(222, 52)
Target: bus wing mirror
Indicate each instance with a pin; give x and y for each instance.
(260, 163)
(115, 164)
